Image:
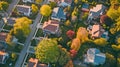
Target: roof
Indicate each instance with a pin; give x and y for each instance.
(2, 56)
(85, 7)
(3, 45)
(35, 63)
(98, 10)
(95, 57)
(23, 8)
(58, 13)
(51, 26)
(9, 21)
(60, 1)
(3, 36)
(96, 30)
(67, 1)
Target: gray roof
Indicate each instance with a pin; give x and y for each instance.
(23, 8)
(98, 10)
(9, 21)
(58, 13)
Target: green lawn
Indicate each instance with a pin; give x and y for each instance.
(18, 48)
(7, 27)
(39, 33)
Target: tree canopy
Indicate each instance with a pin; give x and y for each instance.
(3, 5)
(38, 1)
(82, 34)
(101, 42)
(22, 27)
(75, 44)
(48, 51)
(34, 8)
(45, 10)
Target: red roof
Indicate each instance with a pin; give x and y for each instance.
(35, 63)
(3, 36)
(51, 26)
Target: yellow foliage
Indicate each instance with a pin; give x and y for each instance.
(34, 8)
(76, 44)
(38, 1)
(118, 40)
(82, 34)
(22, 24)
(45, 10)
(101, 42)
(67, 23)
(115, 47)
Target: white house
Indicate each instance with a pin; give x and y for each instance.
(94, 56)
(31, 1)
(23, 9)
(62, 3)
(96, 12)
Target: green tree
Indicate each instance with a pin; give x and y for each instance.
(9, 40)
(52, 4)
(13, 56)
(45, 10)
(34, 8)
(68, 23)
(101, 42)
(48, 51)
(115, 28)
(118, 62)
(110, 60)
(3, 6)
(38, 1)
(75, 12)
(113, 14)
(22, 27)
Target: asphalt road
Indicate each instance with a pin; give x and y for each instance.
(23, 53)
(12, 7)
(27, 43)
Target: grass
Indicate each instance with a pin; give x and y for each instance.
(39, 33)
(44, 19)
(33, 42)
(18, 48)
(7, 27)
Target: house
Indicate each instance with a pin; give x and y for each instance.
(96, 31)
(9, 21)
(3, 57)
(62, 3)
(85, 7)
(4, 35)
(96, 12)
(35, 63)
(58, 14)
(31, 1)
(94, 56)
(51, 27)
(23, 9)
(65, 3)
